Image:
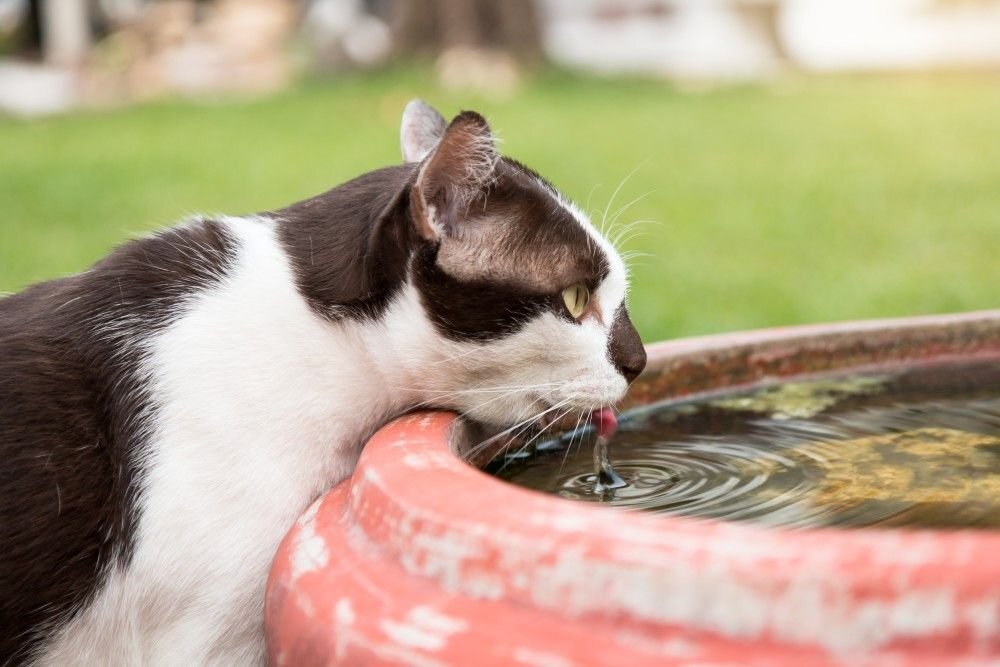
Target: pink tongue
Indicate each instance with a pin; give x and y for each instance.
(604, 422)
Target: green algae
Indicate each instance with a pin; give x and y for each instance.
(801, 400)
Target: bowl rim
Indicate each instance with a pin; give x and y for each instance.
(426, 514)
(409, 475)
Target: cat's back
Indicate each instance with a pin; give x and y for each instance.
(72, 398)
(51, 519)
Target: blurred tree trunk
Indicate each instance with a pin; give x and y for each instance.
(764, 16)
(430, 27)
(66, 35)
(27, 41)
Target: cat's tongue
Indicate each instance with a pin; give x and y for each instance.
(606, 480)
(604, 421)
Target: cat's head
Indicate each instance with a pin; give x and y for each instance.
(526, 298)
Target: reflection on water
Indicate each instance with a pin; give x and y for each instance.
(919, 448)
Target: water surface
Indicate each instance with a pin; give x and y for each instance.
(918, 448)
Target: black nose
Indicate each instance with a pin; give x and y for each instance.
(625, 346)
(632, 367)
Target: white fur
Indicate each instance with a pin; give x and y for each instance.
(420, 131)
(261, 406)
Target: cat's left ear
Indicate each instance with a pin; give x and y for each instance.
(459, 168)
(420, 131)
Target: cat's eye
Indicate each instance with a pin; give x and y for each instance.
(576, 297)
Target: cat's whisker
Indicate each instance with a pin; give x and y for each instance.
(526, 423)
(632, 224)
(632, 237)
(466, 393)
(638, 223)
(515, 387)
(535, 417)
(541, 432)
(437, 403)
(477, 388)
(569, 445)
(520, 423)
(503, 449)
(452, 358)
(629, 229)
(614, 195)
(586, 207)
(630, 264)
(479, 406)
(620, 211)
(458, 393)
(535, 437)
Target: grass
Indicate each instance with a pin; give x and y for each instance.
(802, 201)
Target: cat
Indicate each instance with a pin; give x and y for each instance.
(166, 415)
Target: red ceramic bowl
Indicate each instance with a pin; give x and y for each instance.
(422, 559)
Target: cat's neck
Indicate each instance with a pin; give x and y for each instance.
(351, 373)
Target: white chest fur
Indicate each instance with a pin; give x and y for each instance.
(260, 406)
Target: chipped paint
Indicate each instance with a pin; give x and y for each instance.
(420, 460)
(429, 617)
(309, 552)
(538, 658)
(345, 612)
(310, 514)
(423, 628)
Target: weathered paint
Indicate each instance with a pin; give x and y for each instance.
(420, 559)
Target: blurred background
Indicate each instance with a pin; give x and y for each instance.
(762, 162)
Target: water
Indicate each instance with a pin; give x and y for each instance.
(917, 448)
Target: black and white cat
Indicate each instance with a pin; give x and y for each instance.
(166, 415)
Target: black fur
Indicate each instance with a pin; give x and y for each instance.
(483, 311)
(71, 402)
(349, 246)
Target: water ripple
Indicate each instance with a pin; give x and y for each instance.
(921, 451)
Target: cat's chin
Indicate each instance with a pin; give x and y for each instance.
(550, 417)
(556, 422)
(545, 421)
(568, 418)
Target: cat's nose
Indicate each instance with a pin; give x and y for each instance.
(625, 346)
(632, 366)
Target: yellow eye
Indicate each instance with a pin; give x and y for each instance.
(576, 297)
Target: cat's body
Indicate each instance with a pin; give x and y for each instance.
(165, 416)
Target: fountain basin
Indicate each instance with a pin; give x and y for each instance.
(420, 558)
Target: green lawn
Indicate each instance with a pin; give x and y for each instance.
(804, 201)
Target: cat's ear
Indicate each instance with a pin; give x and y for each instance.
(459, 168)
(420, 131)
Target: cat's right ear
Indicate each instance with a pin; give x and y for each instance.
(421, 130)
(459, 168)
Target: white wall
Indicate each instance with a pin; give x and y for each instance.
(890, 34)
(706, 38)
